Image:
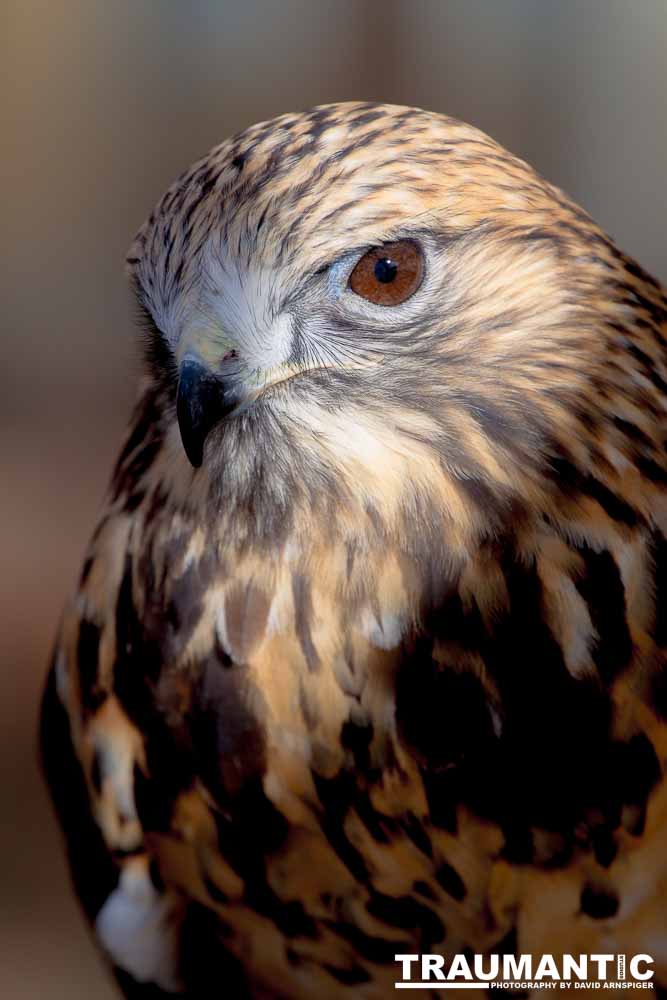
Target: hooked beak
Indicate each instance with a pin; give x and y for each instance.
(202, 400)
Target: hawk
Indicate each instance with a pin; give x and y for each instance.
(368, 653)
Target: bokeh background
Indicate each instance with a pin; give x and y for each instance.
(103, 104)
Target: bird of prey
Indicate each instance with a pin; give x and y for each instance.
(368, 655)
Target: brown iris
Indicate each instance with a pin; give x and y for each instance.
(389, 274)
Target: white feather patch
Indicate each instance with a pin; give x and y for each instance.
(384, 632)
(138, 930)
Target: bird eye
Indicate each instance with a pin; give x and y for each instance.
(389, 274)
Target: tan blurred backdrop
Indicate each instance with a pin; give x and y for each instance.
(103, 104)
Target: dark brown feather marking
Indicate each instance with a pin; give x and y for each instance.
(599, 903)
(601, 586)
(246, 614)
(451, 881)
(303, 610)
(87, 655)
(227, 729)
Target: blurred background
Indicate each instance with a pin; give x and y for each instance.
(102, 105)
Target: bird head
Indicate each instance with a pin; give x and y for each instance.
(372, 292)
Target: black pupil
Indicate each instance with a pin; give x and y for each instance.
(385, 270)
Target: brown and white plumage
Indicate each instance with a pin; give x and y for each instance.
(384, 670)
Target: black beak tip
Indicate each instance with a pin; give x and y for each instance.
(193, 447)
(200, 404)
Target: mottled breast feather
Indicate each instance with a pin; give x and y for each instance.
(388, 673)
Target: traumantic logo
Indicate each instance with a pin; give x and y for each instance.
(549, 972)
